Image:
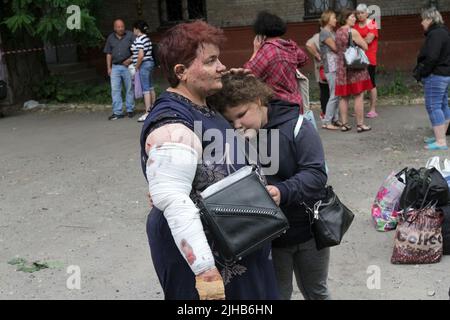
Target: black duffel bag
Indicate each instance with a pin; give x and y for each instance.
(3, 90)
(446, 229)
(422, 187)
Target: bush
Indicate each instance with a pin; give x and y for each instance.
(56, 90)
(395, 88)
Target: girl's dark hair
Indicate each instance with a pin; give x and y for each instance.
(269, 25)
(239, 89)
(142, 26)
(343, 16)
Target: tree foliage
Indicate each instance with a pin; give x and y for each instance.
(47, 20)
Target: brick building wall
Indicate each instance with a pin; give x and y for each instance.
(226, 13)
(401, 34)
(232, 13)
(128, 11)
(236, 13)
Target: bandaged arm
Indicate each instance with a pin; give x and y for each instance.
(174, 151)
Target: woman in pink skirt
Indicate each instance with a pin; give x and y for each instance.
(350, 82)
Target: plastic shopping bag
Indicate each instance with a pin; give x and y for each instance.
(418, 238)
(433, 162)
(385, 209)
(444, 170)
(137, 86)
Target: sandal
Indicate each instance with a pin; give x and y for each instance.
(435, 146)
(330, 127)
(338, 123)
(429, 140)
(346, 127)
(362, 128)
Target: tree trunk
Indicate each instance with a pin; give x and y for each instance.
(24, 70)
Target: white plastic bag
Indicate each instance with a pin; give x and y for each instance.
(434, 162)
(446, 171)
(132, 70)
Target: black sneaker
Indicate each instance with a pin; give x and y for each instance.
(130, 114)
(115, 117)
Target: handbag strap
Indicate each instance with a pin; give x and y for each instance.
(229, 163)
(350, 38)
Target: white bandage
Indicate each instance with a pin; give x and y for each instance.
(170, 171)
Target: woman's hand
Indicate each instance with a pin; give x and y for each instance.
(258, 42)
(209, 285)
(127, 62)
(150, 201)
(275, 194)
(238, 71)
(360, 42)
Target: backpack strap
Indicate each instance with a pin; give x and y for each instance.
(298, 125)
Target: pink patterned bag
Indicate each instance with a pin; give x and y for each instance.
(385, 209)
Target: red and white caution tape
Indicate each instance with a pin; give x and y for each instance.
(36, 49)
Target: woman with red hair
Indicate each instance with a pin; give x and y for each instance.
(177, 169)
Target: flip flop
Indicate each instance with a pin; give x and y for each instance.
(429, 140)
(371, 115)
(433, 146)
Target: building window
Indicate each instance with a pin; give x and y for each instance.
(314, 8)
(175, 11)
(434, 3)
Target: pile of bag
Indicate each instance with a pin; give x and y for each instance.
(416, 202)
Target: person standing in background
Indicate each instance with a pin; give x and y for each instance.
(144, 64)
(433, 70)
(328, 51)
(275, 59)
(350, 82)
(368, 29)
(118, 58)
(313, 47)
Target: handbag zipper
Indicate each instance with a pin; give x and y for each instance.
(239, 211)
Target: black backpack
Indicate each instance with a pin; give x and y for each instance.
(422, 187)
(3, 90)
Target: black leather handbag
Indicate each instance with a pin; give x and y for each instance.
(240, 215)
(331, 220)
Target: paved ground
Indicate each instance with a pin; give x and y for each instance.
(71, 190)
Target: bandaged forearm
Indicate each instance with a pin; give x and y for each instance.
(170, 171)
